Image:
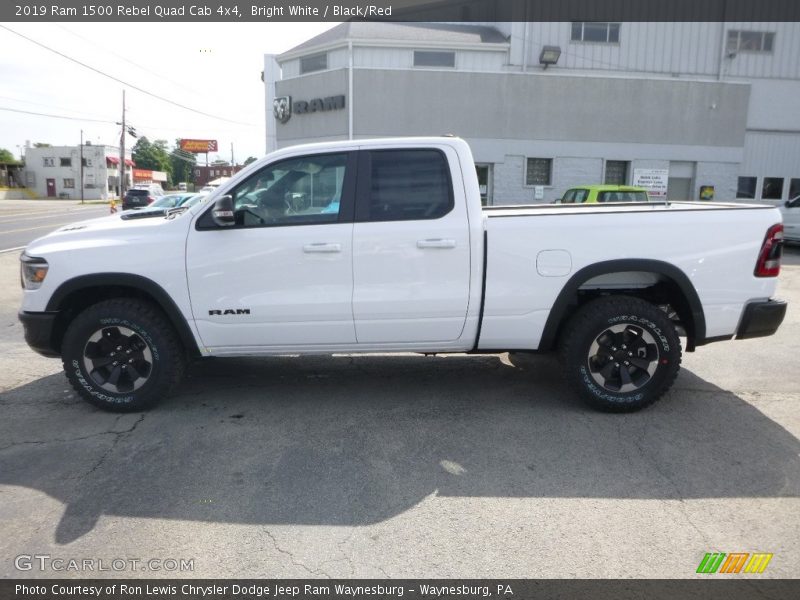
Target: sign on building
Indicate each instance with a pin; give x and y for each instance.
(653, 180)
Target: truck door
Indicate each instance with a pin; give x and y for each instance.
(411, 250)
(282, 276)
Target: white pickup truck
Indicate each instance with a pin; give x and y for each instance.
(383, 246)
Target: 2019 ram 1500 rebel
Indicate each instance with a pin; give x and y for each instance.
(383, 246)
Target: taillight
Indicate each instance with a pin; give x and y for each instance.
(769, 259)
(150, 199)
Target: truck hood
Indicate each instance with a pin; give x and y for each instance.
(126, 228)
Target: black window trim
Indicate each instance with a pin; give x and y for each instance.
(309, 57)
(204, 221)
(760, 50)
(431, 52)
(607, 41)
(364, 184)
(549, 183)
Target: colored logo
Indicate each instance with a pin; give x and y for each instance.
(735, 562)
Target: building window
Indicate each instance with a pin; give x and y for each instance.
(750, 41)
(794, 188)
(772, 188)
(316, 62)
(69, 183)
(430, 58)
(746, 188)
(65, 162)
(616, 172)
(538, 171)
(49, 161)
(585, 31)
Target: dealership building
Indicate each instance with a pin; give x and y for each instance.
(549, 105)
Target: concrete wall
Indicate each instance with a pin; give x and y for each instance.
(543, 107)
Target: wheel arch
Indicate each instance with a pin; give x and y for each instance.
(78, 293)
(676, 286)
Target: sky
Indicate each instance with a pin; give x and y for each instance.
(212, 68)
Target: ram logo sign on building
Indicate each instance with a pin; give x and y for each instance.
(198, 146)
(283, 107)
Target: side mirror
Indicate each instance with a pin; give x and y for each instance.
(223, 213)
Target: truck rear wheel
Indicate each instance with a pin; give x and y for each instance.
(620, 353)
(122, 355)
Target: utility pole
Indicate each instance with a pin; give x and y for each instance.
(122, 152)
(81, 166)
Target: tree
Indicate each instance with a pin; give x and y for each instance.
(153, 156)
(250, 159)
(183, 164)
(6, 157)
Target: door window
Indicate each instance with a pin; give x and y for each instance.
(298, 191)
(569, 197)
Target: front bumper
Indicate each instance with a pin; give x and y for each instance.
(761, 319)
(39, 327)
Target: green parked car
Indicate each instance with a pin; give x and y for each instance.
(590, 194)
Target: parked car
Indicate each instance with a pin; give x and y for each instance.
(140, 196)
(589, 194)
(161, 206)
(410, 262)
(791, 219)
(171, 200)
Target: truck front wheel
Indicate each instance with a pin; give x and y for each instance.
(122, 355)
(620, 353)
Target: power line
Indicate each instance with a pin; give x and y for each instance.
(138, 89)
(137, 65)
(30, 112)
(42, 104)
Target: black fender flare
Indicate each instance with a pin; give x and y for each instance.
(566, 298)
(137, 282)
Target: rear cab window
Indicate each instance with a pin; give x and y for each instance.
(403, 185)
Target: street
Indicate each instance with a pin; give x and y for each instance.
(403, 466)
(22, 221)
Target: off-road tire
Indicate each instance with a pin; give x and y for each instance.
(619, 353)
(122, 355)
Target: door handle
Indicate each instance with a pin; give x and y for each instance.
(436, 243)
(322, 247)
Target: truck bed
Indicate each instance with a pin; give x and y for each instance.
(531, 259)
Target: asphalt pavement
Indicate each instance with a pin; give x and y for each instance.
(22, 221)
(402, 466)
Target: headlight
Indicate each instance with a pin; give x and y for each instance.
(33, 271)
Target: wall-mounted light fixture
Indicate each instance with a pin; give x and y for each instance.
(549, 55)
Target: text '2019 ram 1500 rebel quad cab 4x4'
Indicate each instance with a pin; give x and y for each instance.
(383, 246)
